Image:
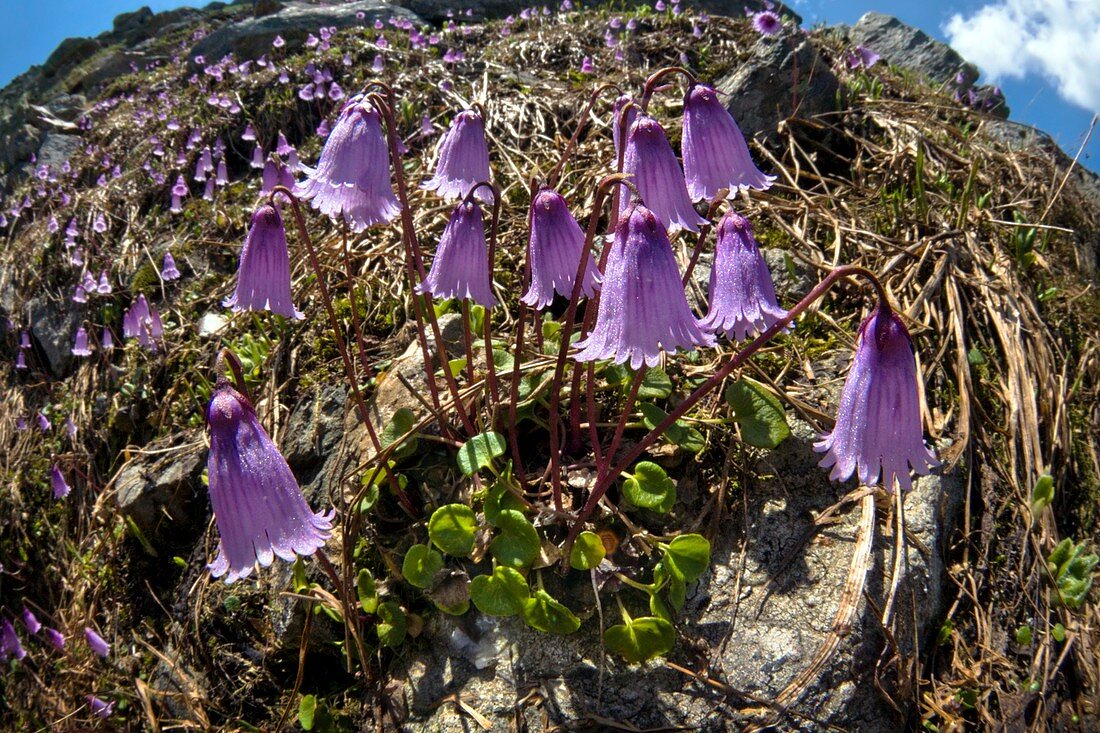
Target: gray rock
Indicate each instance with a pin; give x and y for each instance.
(911, 48)
(760, 89)
(315, 426)
(25, 140)
(70, 53)
(775, 614)
(53, 325)
(110, 65)
(792, 277)
(67, 107)
(157, 487)
(126, 24)
(252, 37)
(57, 148)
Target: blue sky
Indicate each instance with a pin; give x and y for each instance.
(990, 30)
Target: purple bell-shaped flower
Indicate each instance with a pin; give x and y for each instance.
(263, 278)
(878, 425)
(352, 177)
(168, 270)
(57, 483)
(657, 174)
(742, 297)
(80, 343)
(643, 308)
(96, 643)
(716, 156)
(461, 265)
(554, 251)
(258, 507)
(10, 646)
(462, 159)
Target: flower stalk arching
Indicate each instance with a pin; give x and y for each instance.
(414, 265)
(607, 183)
(608, 478)
(704, 231)
(555, 173)
(650, 85)
(341, 344)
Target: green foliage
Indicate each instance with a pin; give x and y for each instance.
(392, 624)
(543, 613)
(679, 433)
(1041, 496)
(588, 551)
(452, 529)
(640, 639)
(503, 593)
(517, 544)
(402, 422)
(421, 565)
(366, 591)
(649, 487)
(655, 384)
(1072, 571)
(479, 451)
(759, 413)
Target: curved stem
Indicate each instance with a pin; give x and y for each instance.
(338, 334)
(639, 376)
(226, 356)
(354, 306)
(486, 322)
(414, 265)
(555, 172)
(650, 85)
(704, 230)
(604, 483)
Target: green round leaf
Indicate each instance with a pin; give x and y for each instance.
(498, 498)
(402, 422)
(420, 565)
(307, 709)
(759, 413)
(641, 639)
(688, 557)
(501, 594)
(517, 545)
(479, 451)
(588, 551)
(368, 593)
(543, 613)
(452, 528)
(679, 433)
(392, 624)
(650, 488)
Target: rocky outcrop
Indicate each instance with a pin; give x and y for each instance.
(911, 48)
(252, 37)
(760, 91)
(157, 488)
(53, 324)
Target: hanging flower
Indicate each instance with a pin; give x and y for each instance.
(100, 708)
(30, 621)
(650, 162)
(742, 297)
(263, 278)
(715, 153)
(103, 287)
(21, 360)
(55, 638)
(878, 425)
(10, 646)
(461, 265)
(44, 423)
(168, 270)
(96, 643)
(108, 341)
(352, 178)
(80, 343)
(862, 58)
(553, 252)
(60, 487)
(276, 173)
(642, 308)
(462, 159)
(258, 507)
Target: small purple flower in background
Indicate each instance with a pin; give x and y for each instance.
(263, 277)
(77, 258)
(222, 177)
(168, 270)
(25, 340)
(96, 643)
(862, 58)
(258, 507)
(44, 423)
(20, 360)
(10, 646)
(91, 287)
(659, 6)
(108, 341)
(878, 433)
(461, 265)
(278, 42)
(249, 133)
(352, 178)
(20, 423)
(79, 296)
(766, 23)
(58, 484)
(462, 159)
(715, 153)
(30, 621)
(179, 190)
(55, 638)
(103, 287)
(80, 343)
(70, 428)
(257, 157)
(554, 251)
(586, 65)
(426, 128)
(276, 173)
(378, 65)
(141, 321)
(642, 308)
(742, 297)
(100, 708)
(656, 172)
(100, 224)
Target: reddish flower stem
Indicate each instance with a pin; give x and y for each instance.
(608, 478)
(555, 173)
(704, 230)
(650, 85)
(356, 327)
(486, 322)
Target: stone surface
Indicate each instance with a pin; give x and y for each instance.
(315, 426)
(53, 325)
(57, 148)
(774, 613)
(911, 48)
(157, 487)
(252, 37)
(760, 89)
(69, 53)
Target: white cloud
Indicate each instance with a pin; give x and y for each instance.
(1059, 39)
